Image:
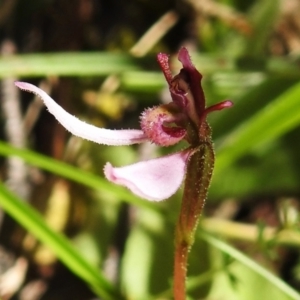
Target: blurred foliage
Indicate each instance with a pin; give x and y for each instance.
(248, 51)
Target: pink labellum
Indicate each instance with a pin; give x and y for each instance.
(155, 179)
(82, 129)
(160, 125)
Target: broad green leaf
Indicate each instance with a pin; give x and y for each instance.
(148, 258)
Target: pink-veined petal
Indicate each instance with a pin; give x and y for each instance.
(82, 129)
(155, 179)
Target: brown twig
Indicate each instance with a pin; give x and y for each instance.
(17, 172)
(154, 34)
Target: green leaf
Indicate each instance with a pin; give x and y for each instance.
(268, 124)
(73, 173)
(278, 287)
(148, 258)
(34, 223)
(65, 64)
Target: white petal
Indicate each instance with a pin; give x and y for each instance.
(155, 179)
(82, 129)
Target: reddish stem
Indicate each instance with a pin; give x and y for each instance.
(180, 269)
(199, 172)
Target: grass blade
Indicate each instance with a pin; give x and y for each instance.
(250, 264)
(269, 123)
(34, 223)
(73, 173)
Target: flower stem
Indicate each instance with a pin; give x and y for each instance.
(180, 270)
(198, 177)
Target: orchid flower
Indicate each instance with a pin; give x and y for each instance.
(184, 118)
(164, 125)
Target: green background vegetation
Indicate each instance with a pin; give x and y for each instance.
(113, 245)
